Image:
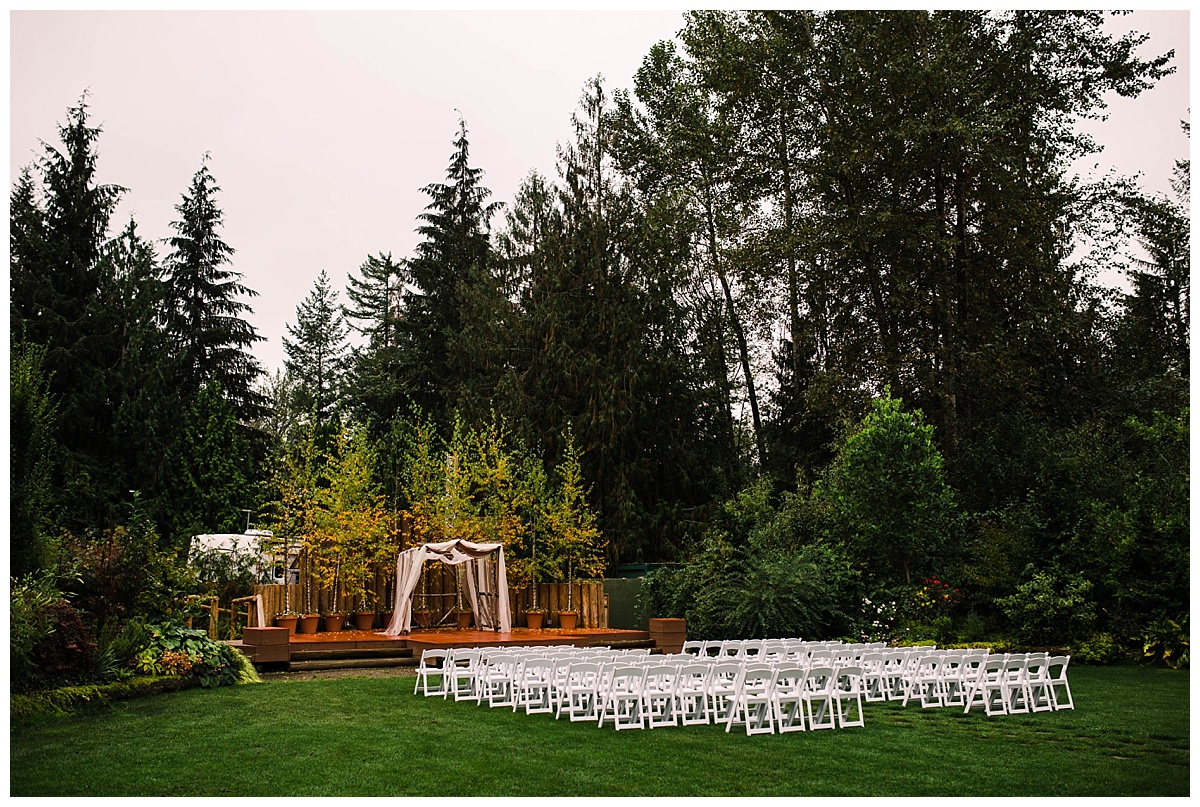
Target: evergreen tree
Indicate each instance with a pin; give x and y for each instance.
(450, 264)
(374, 297)
(316, 354)
(205, 314)
(31, 416)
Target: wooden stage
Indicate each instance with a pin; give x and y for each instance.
(420, 640)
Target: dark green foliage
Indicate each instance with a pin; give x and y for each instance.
(1051, 607)
(754, 575)
(125, 572)
(173, 649)
(374, 392)
(204, 311)
(316, 353)
(31, 419)
(451, 265)
(30, 623)
(212, 470)
(888, 500)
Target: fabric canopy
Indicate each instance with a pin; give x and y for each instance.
(487, 582)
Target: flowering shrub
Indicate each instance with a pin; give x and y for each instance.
(936, 598)
(879, 620)
(176, 650)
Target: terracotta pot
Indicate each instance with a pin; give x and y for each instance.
(308, 623)
(334, 622)
(567, 620)
(533, 619)
(464, 619)
(364, 620)
(288, 622)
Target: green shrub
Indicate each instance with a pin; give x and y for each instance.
(1100, 649)
(1050, 608)
(176, 650)
(1167, 642)
(753, 577)
(30, 623)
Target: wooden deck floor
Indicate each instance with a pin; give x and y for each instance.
(420, 640)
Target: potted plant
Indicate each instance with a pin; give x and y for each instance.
(534, 617)
(577, 544)
(307, 623)
(333, 622)
(463, 614)
(287, 619)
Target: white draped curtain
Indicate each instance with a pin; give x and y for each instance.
(487, 582)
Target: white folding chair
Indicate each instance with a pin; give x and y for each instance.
(874, 682)
(433, 662)
(658, 695)
(847, 695)
(621, 697)
(497, 679)
(787, 697)
(894, 665)
(924, 681)
(580, 694)
(752, 703)
(691, 694)
(1060, 690)
(534, 686)
(819, 683)
(950, 680)
(1015, 686)
(464, 674)
(693, 647)
(988, 687)
(722, 686)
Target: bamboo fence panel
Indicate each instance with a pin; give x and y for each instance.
(438, 593)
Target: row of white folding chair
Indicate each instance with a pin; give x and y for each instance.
(759, 696)
(790, 698)
(1021, 683)
(520, 676)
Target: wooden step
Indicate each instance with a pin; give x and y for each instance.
(349, 663)
(335, 653)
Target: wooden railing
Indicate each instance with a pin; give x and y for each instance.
(438, 595)
(254, 613)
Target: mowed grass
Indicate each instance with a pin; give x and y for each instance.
(1128, 736)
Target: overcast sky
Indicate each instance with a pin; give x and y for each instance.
(322, 127)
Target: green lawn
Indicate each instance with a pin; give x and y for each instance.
(1128, 736)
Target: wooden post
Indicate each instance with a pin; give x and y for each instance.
(214, 618)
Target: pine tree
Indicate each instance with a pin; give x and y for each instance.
(374, 393)
(316, 353)
(205, 314)
(450, 265)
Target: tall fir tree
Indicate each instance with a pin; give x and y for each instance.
(315, 356)
(205, 311)
(374, 302)
(452, 261)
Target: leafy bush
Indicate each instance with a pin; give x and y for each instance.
(1167, 642)
(30, 623)
(68, 652)
(1050, 607)
(887, 497)
(125, 572)
(1100, 649)
(751, 578)
(117, 647)
(176, 650)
